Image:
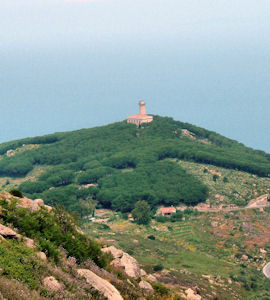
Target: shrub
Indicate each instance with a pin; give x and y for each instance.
(158, 268)
(188, 211)
(161, 219)
(178, 216)
(215, 177)
(20, 263)
(160, 289)
(52, 231)
(16, 193)
(151, 237)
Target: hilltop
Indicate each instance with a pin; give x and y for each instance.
(116, 165)
(214, 247)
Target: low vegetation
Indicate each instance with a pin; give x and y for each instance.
(52, 231)
(206, 250)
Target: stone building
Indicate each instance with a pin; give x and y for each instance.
(140, 118)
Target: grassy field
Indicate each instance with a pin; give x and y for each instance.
(10, 182)
(230, 187)
(205, 251)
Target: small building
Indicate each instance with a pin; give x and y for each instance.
(140, 118)
(130, 217)
(167, 211)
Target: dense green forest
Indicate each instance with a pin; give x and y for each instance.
(126, 164)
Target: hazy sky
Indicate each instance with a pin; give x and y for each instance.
(71, 64)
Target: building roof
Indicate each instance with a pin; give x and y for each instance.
(167, 210)
(141, 117)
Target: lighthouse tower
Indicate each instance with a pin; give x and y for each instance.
(142, 117)
(142, 107)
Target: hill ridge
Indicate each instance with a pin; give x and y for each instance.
(124, 164)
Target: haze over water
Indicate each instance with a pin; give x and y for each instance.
(75, 64)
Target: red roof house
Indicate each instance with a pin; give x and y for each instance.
(167, 211)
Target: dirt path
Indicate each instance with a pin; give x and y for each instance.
(260, 202)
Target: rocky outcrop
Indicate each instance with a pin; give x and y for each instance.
(244, 257)
(24, 202)
(39, 202)
(52, 284)
(100, 284)
(129, 265)
(29, 243)
(261, 201)
(146, 287)
(151, 278)
(191, 295)
(124, 261)
(143, 273)
(42, 255)
(116, 253)
(7, 232)
(33, 205)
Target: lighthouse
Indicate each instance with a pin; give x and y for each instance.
(142, 117)
(142, 107)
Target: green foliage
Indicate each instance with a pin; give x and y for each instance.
(160, 289)
(225, 179)
(33, 187)
(16, 193)
(151, 237)
(93, 175)
(142, 213)
(215, 177)
(52, 230)
(161, 219)
(19, 262)
(121, 161)
(158, 268)
(162, 182)
(102, 155)
(178, 216)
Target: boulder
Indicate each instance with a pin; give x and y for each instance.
(39, 202)
(42, 255)
(143, 273)
(116, 253)
(151, 278)
(214, 224)
(244, 257)
(29, 242)
(100, 284)
(52, 284)
(147, 287)
(49, 208)
(129, 265)
(191, 295)
(34, 206)
(78, 229)
(7, 232)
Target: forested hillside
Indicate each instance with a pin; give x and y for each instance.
(118, 164)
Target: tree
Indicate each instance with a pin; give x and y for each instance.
(142, 213)
(215, 177)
